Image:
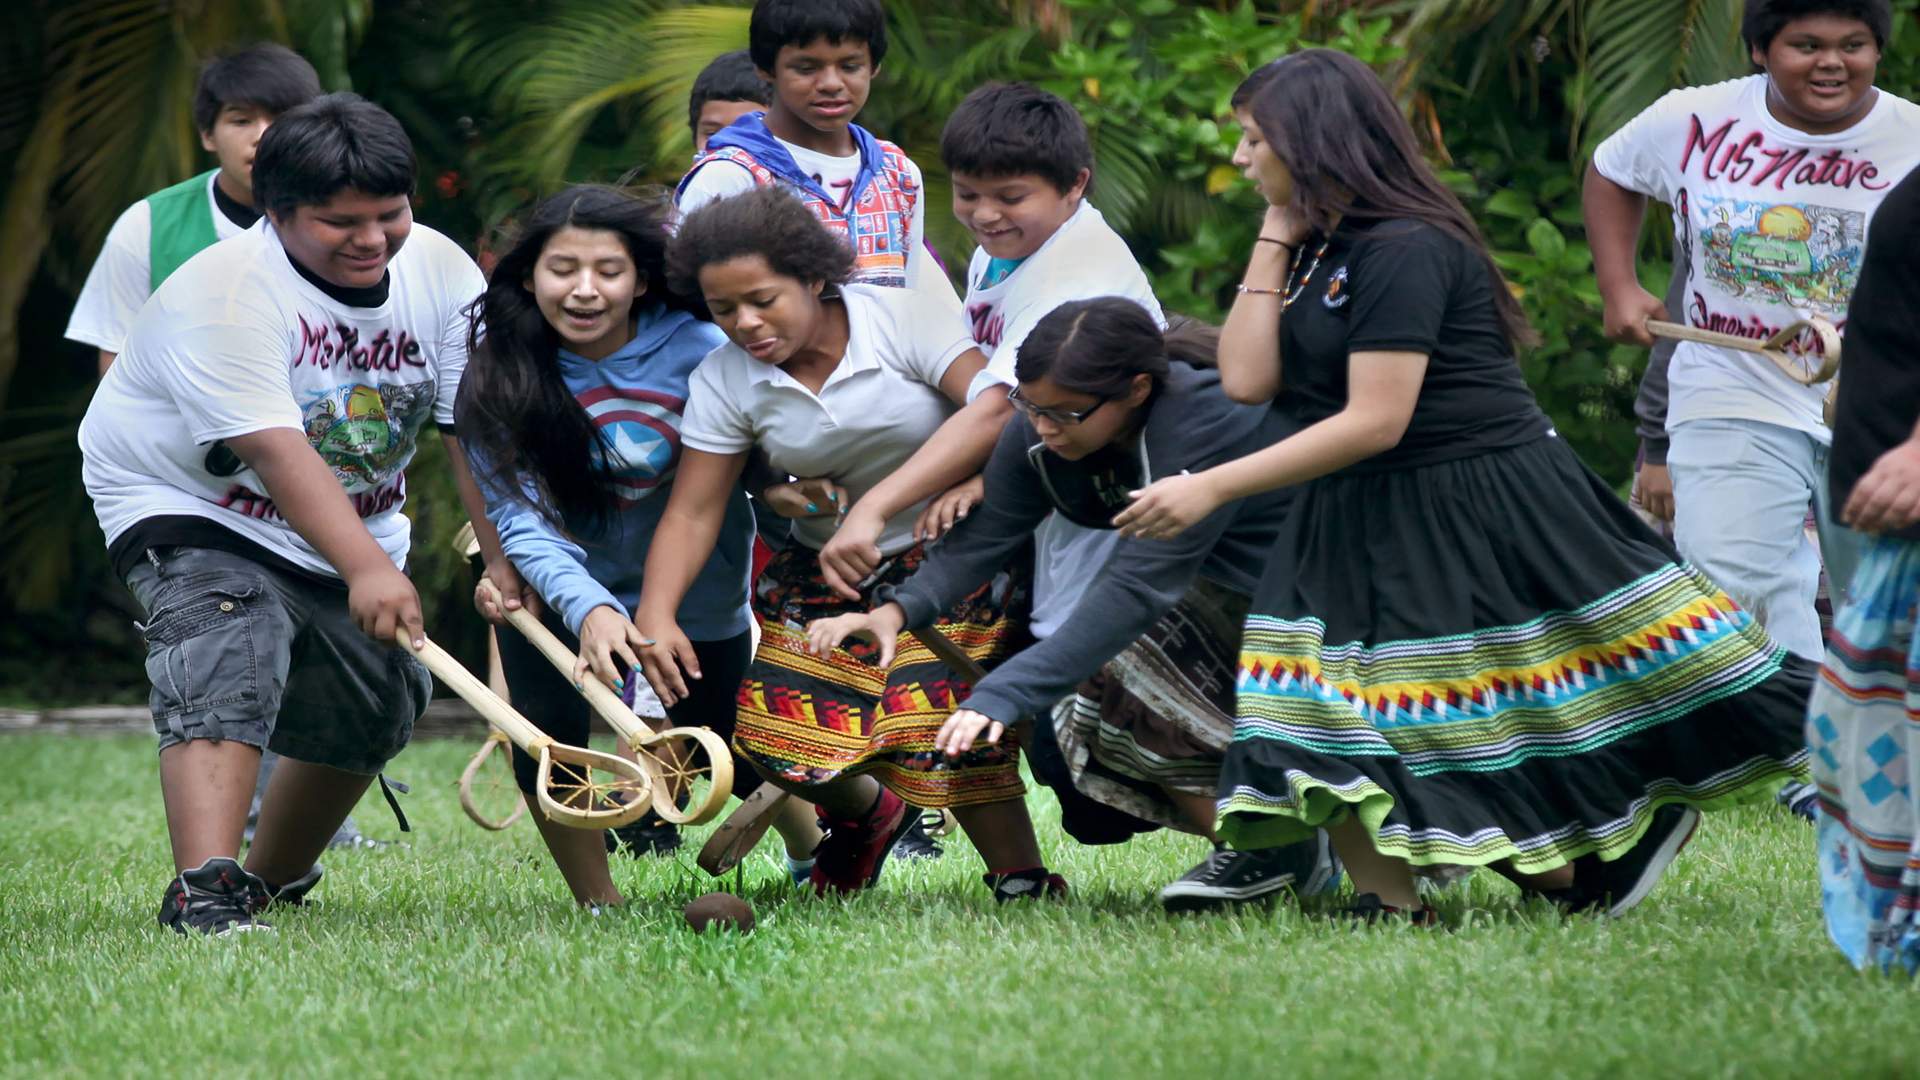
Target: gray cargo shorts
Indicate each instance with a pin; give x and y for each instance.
(240, 650)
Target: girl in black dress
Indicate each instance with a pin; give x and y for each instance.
(1465, 649)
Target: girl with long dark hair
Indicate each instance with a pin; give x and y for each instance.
(843, 382)
(1465, 648)
(1130, 701)
(570, 411)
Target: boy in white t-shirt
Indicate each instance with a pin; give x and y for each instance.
(236, 97)
(245, 456)
(820, 56)
(1773, 179)
(1021, 162)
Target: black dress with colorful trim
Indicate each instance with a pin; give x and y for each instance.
(1469, 640)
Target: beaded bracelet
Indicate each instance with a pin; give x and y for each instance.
(1262, 292)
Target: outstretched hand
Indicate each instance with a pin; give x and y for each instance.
(881, 625)
(949, 508)
(667, 660)
(963, 728)
(1168, 507)
(605, 634)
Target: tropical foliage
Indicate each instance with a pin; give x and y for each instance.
(505, 100)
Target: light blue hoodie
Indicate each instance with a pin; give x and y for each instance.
(636, 396)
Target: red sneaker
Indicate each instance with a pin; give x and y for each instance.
(854, 851)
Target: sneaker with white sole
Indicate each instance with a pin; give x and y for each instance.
(1237, 877)
(216, 898)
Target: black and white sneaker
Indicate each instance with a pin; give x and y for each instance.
(915, 843)
(292, 894)
(1235, 877)
(1617, 887)
(216, 898)
(1802, 799)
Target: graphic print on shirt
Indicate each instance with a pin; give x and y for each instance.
(643, 429)
(988, 323)
(1801, 255)
(365, 433)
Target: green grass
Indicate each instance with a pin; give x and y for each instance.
(460, 953)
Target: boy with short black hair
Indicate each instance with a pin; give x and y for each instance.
(819, 58)
(1021, 164)
(727, 89)
(237, 96)
(246, 458)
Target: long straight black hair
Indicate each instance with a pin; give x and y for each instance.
(514, 408)
(1332, 123)
(1098, 346)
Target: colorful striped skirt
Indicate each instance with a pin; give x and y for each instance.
(1863, 729)
(1493, 658)
(811, 720)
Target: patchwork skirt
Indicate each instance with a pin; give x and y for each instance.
(1863, 728)
(1158, 716)
(1493, 658)
(811, 720)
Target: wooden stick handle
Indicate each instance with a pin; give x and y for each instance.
(950, 654)
(475, 693)
(1683, 332)
(604, 701)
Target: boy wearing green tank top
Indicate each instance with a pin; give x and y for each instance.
(237, 95)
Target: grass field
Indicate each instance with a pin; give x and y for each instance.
(459, 952)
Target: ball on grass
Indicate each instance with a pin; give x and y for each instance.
(720, 910)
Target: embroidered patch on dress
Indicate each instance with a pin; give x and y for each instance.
(1336, 289)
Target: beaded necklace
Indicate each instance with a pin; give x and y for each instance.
(1292, 291)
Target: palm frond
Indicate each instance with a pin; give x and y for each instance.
(1637, 50)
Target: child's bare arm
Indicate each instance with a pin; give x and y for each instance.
(309, 496)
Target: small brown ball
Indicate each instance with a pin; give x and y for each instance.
(720, 910)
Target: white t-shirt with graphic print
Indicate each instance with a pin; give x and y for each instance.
(1772, 222)
(236, 342)
(1083, 259)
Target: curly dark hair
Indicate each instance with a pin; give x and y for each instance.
(768, 222)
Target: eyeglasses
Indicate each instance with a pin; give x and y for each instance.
(1063, 417)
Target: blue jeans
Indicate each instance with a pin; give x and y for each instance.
(1740, 492)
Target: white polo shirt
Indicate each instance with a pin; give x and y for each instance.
(878, 407)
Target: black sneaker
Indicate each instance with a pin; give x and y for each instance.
(216, 898)
(1367, 908)
(915, 843)
(1033, 884)
(1236, 877)
(292, 894)
(1802, 799)
(1617, 887)
(648, 836)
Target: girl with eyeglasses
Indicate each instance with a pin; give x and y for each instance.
(1130, 701)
